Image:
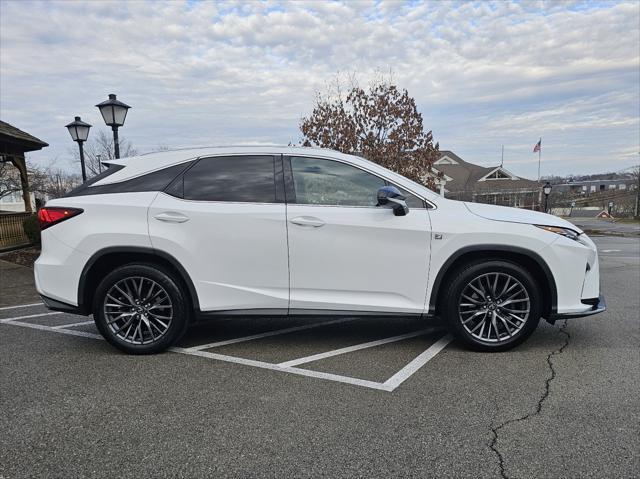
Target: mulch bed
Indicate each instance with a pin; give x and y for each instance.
(24, 257)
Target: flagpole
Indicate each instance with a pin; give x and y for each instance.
(502, 157)
(539, 155)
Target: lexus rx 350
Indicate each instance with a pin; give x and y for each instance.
(160, 241)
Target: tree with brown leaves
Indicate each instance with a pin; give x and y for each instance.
(382, 124)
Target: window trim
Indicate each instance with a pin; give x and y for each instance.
(291, 194)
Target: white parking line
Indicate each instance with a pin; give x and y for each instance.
(4, 308)
(390, 385)
(63, 326)
(268, 334)
(350, 349)
(277, 367)
(406, 372)
(72, 332)
(10, 320)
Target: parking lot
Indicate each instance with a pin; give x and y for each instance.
(309, 397)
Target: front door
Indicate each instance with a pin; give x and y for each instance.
(346, 253)
(224, 220)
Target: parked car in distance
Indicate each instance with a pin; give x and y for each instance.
(160, 241)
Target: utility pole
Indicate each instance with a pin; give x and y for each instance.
(636, 173)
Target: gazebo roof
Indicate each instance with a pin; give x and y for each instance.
(12, 138)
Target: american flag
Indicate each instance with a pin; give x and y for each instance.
(538, 146)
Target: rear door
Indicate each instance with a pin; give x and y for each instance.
(346, 253)
(224, 220)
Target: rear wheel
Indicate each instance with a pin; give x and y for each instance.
(492, 305)
(140, 309)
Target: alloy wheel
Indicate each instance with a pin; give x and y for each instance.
(138, 310)
(494, 307)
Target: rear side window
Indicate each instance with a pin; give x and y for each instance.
(154, 181)
(238, 179)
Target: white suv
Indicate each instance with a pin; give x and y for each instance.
(159, 241)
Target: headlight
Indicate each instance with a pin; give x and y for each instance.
(569, 233)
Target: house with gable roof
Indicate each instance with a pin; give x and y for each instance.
(495, 185)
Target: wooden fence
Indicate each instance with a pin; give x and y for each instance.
(12, 231)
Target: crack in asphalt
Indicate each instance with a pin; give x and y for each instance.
(547, 390)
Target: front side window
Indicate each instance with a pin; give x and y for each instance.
(326, 182)
(240, 179)
(413, 202)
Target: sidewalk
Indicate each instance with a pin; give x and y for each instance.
(17, 285)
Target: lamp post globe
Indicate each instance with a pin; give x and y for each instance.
(114, 112)
(547, 191)
(79, 131)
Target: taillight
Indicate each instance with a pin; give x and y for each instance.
(49, 216)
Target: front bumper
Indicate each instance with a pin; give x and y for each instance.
(598, 305)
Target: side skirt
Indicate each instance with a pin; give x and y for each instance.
(295, 312)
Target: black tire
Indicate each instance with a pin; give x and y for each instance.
(150, 277)
(464, 314)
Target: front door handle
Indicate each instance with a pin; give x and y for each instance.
(171, 217)
(307, 221)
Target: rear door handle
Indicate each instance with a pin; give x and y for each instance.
(170, 217)
(307, 221)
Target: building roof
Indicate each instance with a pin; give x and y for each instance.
(18, 138)
(465, 176)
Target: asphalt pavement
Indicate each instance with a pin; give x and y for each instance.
(226, 404)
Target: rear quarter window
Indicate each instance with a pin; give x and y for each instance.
(78, 191)
(154, 181)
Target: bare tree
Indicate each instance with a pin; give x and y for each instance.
(635, 173)
(10, 181)
(381, 123)
(100, 148)
(59, 182)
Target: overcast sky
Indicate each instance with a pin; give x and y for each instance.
(202, 73)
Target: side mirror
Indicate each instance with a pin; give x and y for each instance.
(391, 196)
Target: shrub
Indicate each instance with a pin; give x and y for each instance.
(32, 229)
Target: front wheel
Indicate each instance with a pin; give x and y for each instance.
(492, 305)
(140, 309)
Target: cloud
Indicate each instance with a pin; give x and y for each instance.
(483, 73)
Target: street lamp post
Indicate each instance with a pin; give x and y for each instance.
(79, 131)
(546, 190)
(114, 113)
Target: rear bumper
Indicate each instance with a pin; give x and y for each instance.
(56, 305)
(598, 305)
